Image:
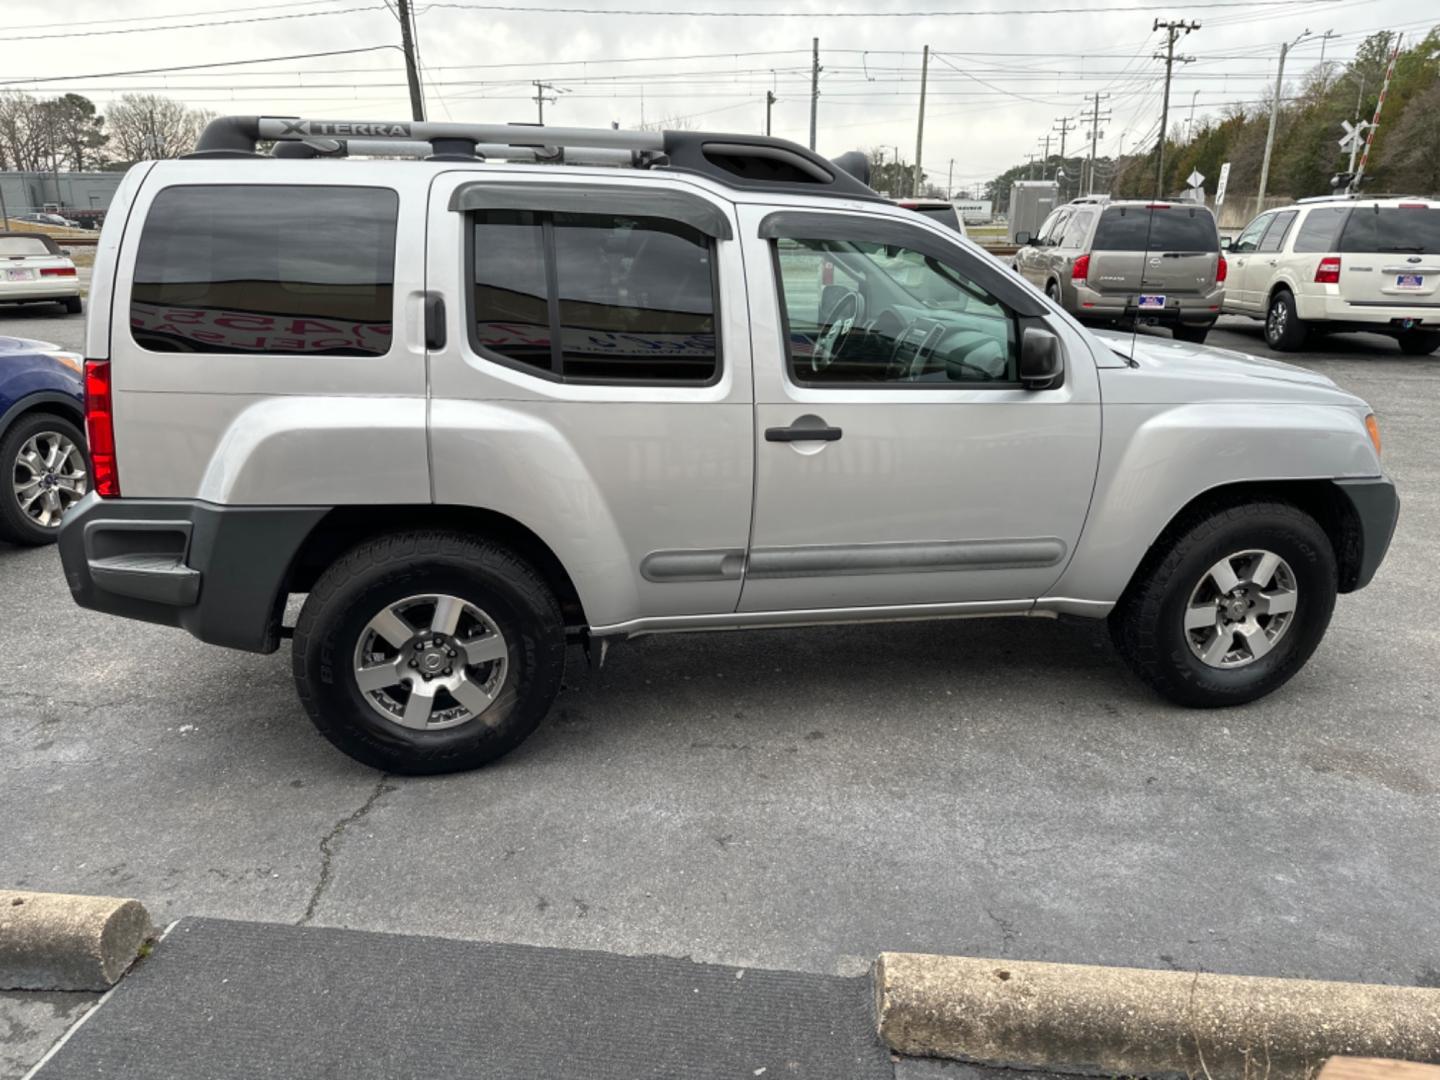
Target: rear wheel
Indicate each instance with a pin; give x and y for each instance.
(1052, 290)
(429, 652)
(73, 305)
(1195, 333)
(1284, 332)
(1419, 342)
(45, 473)
(1230, 604)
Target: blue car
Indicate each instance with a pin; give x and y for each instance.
(44, 469)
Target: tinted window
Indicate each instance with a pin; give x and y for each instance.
(1138, 228)
(267, 269)
(889, 316)
(1405, 229)
(1274, 237)
(1319, 229)
(512, 314)
(633, 299)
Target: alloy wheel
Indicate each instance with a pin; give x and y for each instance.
(49, 477)
(1241, 608)
(431, 662)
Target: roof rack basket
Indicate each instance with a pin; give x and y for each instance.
(739, 161)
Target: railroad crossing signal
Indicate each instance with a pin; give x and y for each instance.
(1354, 136)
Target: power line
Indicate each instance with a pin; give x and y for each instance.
(927, 14)
(192, 67)
(196, 25)
(173, 15)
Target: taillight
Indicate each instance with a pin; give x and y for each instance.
(1328, 272)
(57, 271)
(1222, 271)
(1414, 206)
(100, 428)
(1081, 270)
(1157, 206)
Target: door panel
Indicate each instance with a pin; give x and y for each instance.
(955, 493)
(643, 491)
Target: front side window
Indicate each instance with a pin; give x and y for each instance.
(1274, 238)
(266, 269)
(1076, 231)
(1250, 238)
(596, 297)
(861, 313)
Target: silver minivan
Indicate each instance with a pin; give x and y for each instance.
(1128, 261)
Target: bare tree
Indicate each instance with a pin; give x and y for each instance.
(147, 126)
(22, 133)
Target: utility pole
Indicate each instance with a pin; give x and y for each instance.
(1045, 161)
(540, 99)
(1173, 31)
(769, 104)
(1094, 118)
(920, 124)
(1190, 125)
(950, 180)
(1324, 82)
(1274, 115)
(412, 71)
(814, 85)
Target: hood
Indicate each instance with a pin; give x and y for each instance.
(1165, 371)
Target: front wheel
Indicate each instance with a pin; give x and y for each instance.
(43, 458)
(1284, 332)
(1229, 605)
(429, 652)
(1419, 342)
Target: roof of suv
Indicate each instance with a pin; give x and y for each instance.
(741, 162)
(1368, 200)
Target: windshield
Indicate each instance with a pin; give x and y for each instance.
(1173, 228)
(12, 246)
(1393, 228)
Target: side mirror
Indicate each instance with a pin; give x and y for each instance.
(1042, 361)
(1022, 238)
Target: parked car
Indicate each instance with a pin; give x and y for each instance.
(936, 210)
(42, 450)
(1123, 261)
(56, 220)
(1336, 264)
(33, 269)
(473, 410)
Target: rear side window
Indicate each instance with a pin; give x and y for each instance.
(1320, 229)
(595, 297)
(1274, 238)
(1392, 228)
(267, 269)
(1139, 228)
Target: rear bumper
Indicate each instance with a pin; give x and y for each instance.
(27, 292)
(1337, 309)
(1194, 310)
(1376, 509)
(217, 571)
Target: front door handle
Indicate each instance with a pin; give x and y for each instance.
(804, 429)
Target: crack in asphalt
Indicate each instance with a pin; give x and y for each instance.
(329, 842)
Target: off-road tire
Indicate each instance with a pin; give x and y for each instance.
(15, 526)
(1284, 331)
(1418, 342)
(386, 569)
(1147, 625)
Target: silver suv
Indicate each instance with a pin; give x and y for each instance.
(472, 410)
(1122, 261)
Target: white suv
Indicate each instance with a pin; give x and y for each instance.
(1341, 264)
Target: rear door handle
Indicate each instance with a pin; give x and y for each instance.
(434, 322)
(805, 429)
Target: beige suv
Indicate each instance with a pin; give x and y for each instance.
(1341, 264)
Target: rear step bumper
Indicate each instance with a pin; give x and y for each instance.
(216, 571)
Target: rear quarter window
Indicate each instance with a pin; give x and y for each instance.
(266, 269)
(1139, 228)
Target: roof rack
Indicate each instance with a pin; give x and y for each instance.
(752, 162)
(1353, 195)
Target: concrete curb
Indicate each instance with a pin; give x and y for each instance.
(1135, 1022)
(54, 941)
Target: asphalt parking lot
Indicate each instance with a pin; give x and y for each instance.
(798, 798)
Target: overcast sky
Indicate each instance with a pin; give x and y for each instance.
(999, 81)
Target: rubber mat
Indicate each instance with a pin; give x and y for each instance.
(220, 1000)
